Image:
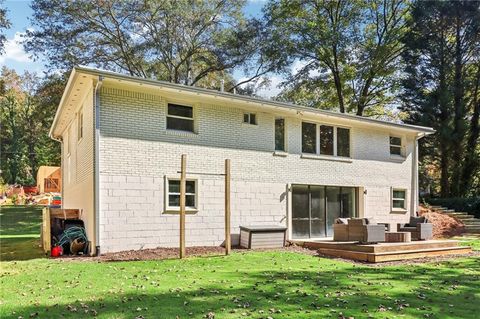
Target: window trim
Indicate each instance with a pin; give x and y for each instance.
(405, 200)
(249, 118)
(193, 118)
(317, 153)
(285, 143)
(176, 209)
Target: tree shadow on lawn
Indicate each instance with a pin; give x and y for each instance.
(413, 291)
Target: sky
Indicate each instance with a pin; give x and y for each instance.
(15, 57)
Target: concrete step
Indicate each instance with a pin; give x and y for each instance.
(464, 217)
(446, 211)
(472, 231)
(437, 208)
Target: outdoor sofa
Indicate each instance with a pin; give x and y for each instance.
(419, 227)
(363, 230)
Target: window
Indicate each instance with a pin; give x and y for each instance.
(250, 118)
(309, 138)
(343, 142)
(173, 196)
(399, 199)
(80, 125)
(280, 134)
(332, 140)
(180, 117)
(395, 145)
(326, 140)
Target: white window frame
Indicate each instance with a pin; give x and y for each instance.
(176, 209)
(401, 146)
(405, 200)
(80, 125)
(249, 115)
(181, 117)
(335, 153)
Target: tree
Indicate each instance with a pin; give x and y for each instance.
(4, 24)
(183, 41)
(441, 87)
(348, 51)
(27, 107)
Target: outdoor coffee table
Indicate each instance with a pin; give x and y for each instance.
(398, 237)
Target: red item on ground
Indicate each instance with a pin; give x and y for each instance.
(56, 251)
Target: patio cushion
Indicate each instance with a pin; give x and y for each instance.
(408, 228)
(341, 221)
(416, 220)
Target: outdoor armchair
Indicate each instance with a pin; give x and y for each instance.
(419, 227)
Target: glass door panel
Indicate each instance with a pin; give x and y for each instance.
(333, 207)
(317, 221)
(347, 201)
(300, 211)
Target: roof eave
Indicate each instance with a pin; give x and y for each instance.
(408, 127)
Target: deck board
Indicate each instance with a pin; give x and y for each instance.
(382, 252)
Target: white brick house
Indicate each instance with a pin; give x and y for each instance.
(122, 138)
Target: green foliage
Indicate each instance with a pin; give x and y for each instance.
(460, 204)
(4, 24)
(441, 90)
(188, 42)
(345, 54)
(27, 107)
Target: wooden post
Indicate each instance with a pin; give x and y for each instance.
(182, 204)
(228, 243)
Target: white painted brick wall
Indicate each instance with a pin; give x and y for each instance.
(137, 153)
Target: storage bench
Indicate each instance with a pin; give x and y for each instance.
(252, 237)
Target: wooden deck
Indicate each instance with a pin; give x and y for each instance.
(382, 252)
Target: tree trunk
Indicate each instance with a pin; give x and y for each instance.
(458, 101)
(471, 160)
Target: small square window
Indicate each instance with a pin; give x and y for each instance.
(250, 118)
(395, 145)
(180, 118)
(399, 199)
(173, 194)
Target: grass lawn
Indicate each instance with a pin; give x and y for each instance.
(246, 284)
(20, 232)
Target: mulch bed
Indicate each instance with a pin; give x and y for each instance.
(443, 225)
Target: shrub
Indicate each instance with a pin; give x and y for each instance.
(470, 205)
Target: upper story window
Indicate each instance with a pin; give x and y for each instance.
(333, 141)
(395, 145)
(326, 140)
(280, 134)
(80, 125)
(173, 194)
(180, 117)
(343, 142)
(250, 118)
(309, 138)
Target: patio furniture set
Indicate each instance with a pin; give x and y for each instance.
(366, 230)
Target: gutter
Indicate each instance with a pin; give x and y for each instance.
(247, 99)
(96, 159)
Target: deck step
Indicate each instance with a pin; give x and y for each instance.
(395, 255)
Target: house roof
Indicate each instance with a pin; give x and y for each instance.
(259, 102)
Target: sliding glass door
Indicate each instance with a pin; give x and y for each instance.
(315, 208)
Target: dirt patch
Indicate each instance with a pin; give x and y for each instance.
(443, 225)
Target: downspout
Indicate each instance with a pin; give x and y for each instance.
(415, 202)
(61, 164)
(96, 171)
